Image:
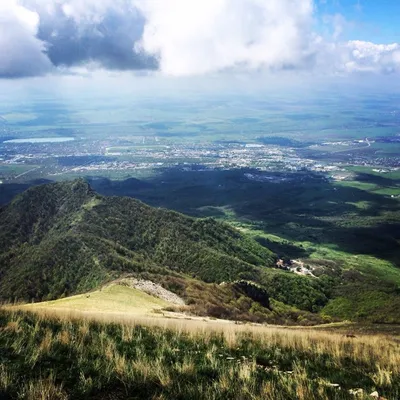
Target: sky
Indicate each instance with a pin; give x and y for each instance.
(198, 38)
(368, 20)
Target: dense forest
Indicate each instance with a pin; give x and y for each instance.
(63, 238)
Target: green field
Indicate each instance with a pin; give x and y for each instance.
(372, 188)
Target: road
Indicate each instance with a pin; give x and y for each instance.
(26, 172)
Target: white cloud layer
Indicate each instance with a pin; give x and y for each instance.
(366, 56)
(178, 38)
(196, 37)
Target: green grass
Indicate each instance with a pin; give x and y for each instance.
(394, 175)
(387, 187)
(364, 304)
(369, 187)
(60, 358)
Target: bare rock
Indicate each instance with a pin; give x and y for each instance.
(152, 289)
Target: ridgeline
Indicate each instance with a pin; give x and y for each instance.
(63, 238)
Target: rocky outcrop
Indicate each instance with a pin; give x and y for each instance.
(152, 289)
(254, 291)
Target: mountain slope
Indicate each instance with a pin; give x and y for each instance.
(63, 238)
(111, 300)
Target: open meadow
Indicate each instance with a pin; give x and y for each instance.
(112, 299)
(60, 353)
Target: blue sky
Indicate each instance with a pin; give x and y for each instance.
(368, 20)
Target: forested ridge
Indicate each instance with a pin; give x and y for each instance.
(63, 238)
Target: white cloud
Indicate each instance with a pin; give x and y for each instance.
(367, 56)
(359, 56)
(200, 36)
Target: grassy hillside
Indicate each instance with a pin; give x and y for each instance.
(113, 299)
(238, 301)
(58, 358)
(60, 239)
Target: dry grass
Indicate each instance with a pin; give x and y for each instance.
(361, 347)
(42, 389)
(383, 349)
(111, 299)
(200, 359)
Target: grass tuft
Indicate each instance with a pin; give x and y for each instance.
(65, 357)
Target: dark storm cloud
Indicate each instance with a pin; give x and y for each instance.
(109, 42)
(37, 36)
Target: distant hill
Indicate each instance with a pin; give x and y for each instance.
(63, 238)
